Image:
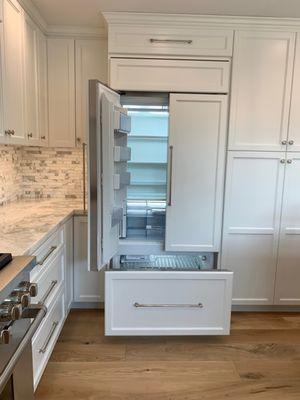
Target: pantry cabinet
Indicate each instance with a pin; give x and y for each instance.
(12, 51)
(261, 89)
(287, 289)
(254, 185)
(197, 137)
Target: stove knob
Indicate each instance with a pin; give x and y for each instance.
(20, 298)
(16, 312)
(10, 312)
(27, 287)
(4, 336)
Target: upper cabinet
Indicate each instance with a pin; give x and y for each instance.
(90, 63)
(294, 127)
(162, 40)
(12, 48)
(61, 92)
(261, 88)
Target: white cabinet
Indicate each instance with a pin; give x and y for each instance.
(88, 285)
(32, 129)
(294, 126)
(13, 72)
(287, 289)
(254, 186)
(42, 88)
(261, 88)
(69, 261)
(197, 140)
(61, 89)
(91, 63)
(169, 75)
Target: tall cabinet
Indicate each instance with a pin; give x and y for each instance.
(262, 201)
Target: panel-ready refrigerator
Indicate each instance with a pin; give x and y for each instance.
(155, 169)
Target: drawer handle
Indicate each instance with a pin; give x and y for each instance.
(47, 341)
(170, 176)
(48, 292)
(47, 255)
(178, 41)
(138, 305)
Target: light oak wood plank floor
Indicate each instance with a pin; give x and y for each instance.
(260, 360)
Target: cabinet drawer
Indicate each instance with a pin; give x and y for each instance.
(50, 280)
(45, 338)
(169, 41)
(46, 252)
(167, 303)
(169, 75)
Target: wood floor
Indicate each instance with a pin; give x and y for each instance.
(259, 360)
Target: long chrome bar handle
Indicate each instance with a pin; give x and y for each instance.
(170, 175)
(47, 255)
(43, 349)
(197, 305)
(48, 292)
(177, 41)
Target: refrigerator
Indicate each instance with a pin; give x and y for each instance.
(165, 293)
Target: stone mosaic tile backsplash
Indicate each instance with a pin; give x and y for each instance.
(38, 172)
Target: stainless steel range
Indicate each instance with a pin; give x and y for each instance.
(19, 320)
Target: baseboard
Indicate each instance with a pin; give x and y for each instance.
(87, 305)
(244, 308)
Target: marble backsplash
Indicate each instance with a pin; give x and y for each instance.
(38, 172)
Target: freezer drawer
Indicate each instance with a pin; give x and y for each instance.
(167, 302)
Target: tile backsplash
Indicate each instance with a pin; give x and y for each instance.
(38, 172)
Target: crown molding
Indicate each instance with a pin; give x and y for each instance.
(34, 13)
(189, 20)
(81, 31)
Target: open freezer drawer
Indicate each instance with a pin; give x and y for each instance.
(167, 302)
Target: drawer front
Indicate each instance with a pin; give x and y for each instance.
(145, 40)
(167, 303)
(51, 279)
(45, 338)
(169, 75)
(46, 252)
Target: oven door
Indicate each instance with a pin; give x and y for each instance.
(16, 379)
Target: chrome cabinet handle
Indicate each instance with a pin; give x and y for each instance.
(178, 41)
(284, 142)
(282, 161)
(12, 132)
(43, 349)
(7, 132)
(291, 142)
(289, 161)
(48, 292)
(138, 305)
(30, 135)
(170, 176)
(47, 255)
(43, 137)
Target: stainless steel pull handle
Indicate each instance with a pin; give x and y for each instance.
(12, 132)
(170, 175)
(291, 142)
(284, 142)
(43, 349)
(178, 41)
(138, 305)
(289, 161)
(43, 137)
(48, 292)
(7, 132)
(282, 161)
(30, 135)
(47, 255)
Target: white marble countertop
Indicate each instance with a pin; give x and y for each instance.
(25, 224)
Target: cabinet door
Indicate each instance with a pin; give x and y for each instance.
(288, 267)
(294, 126)
(254, 185)
(42, 89)
(31, 81)
(261, 87)
(12, 71)
(91, 63)
(88, 285)
(61, 92)
(69, 263)
(198, 125)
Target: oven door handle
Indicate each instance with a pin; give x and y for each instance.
(4, 377)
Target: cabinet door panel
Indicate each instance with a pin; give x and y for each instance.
(261, 87)
(61, 87)
(31, 81)
(294, 127)
(254, 184)
(13, 74)
(288, 268)
(197, 138)
(91, 63)
(42, 89)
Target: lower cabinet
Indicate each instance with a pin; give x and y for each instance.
(88, 285)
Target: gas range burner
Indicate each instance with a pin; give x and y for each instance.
(5, 258)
